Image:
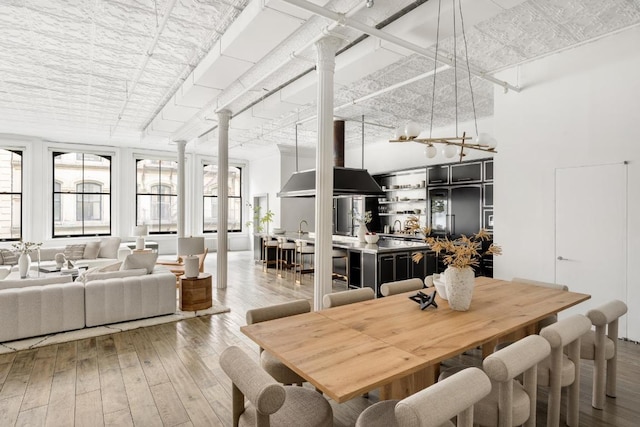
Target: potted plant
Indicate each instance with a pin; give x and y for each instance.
(266, 219)
(24, 260)
(460, 256)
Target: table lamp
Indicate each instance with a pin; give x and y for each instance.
(140, 231)
(189, 247)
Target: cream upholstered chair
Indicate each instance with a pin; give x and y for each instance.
(400, 286)
(269, 362)
(511, 403)
(433, 406)
(347, 297)
(285, 256)
(267, 245)
(560, 370)
(270, 403)
(601, 346)
(304, 258)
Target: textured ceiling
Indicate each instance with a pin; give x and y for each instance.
(80, 71)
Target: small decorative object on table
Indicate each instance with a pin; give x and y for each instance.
(362, 221)
(24, 260)
(371, 238)
(425, 300)
(60, 259)
(460, 255)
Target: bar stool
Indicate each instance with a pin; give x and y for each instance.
(304, 257)
(285, 255)
(338, 254)
(267, 244)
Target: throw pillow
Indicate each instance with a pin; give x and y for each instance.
(115, 274)
(74, 252)
(82, 277)
(109, 247)
(91, 250)
(110, 267)
(134, 261)
(9, 257)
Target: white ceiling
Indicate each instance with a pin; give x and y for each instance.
(109, 72)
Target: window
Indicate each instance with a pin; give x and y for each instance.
(10, 195)
(81, 195)
(156, 195)
(210, 193)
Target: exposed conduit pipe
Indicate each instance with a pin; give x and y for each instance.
(342, 19)
(145, 61)
(381, 91)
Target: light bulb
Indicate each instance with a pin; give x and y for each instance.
(493, 143)
(430, 151)
(449, 151)
(482, 138)
(398, 133)
(412, 130)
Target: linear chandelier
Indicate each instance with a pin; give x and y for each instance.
(458, 144)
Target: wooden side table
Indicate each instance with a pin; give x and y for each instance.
(195, 292)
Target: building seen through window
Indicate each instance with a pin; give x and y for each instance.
(10, 195)
(210, 195)
(156, 195)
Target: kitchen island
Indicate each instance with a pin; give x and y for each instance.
(371, 265)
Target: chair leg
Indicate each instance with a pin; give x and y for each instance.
(599, 364)
(612, 364)
(573, 395)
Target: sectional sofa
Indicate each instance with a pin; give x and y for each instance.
(34, 307)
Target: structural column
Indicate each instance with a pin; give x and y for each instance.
(326, 61)
(223, 199)
(181, 187)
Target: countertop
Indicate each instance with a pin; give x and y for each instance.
(352, 243)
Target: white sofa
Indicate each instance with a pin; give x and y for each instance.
(33, 307)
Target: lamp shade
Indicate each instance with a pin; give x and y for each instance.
(190, 245)
(140, 230)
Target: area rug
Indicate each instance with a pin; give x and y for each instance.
(96, 331)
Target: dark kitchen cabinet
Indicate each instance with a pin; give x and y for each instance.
(438, 175)
(488, 195)
(402, 266)
(488, 170)
(387, 268)
(465, 210)
(466, 172)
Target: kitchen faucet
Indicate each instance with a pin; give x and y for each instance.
(300, 226)
(400, 225)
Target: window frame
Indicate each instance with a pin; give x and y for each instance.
(76, 193)
(205, 197)
(15, 193)
(159, 184)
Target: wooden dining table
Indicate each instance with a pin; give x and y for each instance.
(389, 343)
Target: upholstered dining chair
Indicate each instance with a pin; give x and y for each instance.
(177, 267)
(560, 370)
(601, 346)
(400, 286)
(347, 297)
(433, 406)
(269, 362)
(270, 403)
(511, 403)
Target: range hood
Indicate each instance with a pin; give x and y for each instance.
(346, 181)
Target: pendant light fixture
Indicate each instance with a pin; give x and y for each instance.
(456, 145)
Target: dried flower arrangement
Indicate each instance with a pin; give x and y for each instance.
(460, 253)
(26, 247)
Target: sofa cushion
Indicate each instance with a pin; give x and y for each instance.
(99, 275)
(25, 283)
(109, 247)
(91, 250)
(75, 251)
(8, 257)
(110, 267)
(142, 260)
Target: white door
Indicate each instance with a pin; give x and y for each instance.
(591, 234)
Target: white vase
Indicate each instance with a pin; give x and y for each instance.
(459, 283)
(362, 232)
(24, 262)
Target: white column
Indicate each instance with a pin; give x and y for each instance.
(223, 193)
(181, 187)
(326, 61)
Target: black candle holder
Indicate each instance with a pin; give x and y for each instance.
(425, 300)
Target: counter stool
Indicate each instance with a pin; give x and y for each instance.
(338, 254)
(304, 259)
(285, 255)
(267, 244)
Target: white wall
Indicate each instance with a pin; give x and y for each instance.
(579, 107)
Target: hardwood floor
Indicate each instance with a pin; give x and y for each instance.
(169, 374)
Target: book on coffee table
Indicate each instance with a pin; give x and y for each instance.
(49, 269)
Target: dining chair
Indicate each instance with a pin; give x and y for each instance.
(269, 362)
(347, 297)
(433, 406)
(511, 403)
(560, 370)
(400, 286)
(601, 346)
(270, 403)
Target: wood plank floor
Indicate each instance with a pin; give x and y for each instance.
(169, 374)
